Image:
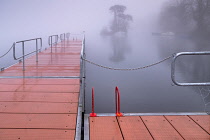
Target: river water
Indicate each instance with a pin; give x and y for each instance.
(150, 89)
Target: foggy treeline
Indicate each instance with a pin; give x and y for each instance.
(189, 20)
(186, 17)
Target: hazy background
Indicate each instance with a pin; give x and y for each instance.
(148, 90)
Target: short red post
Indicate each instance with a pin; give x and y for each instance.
(117, 101)
(93, 114)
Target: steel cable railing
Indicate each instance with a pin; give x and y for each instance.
(8, 50)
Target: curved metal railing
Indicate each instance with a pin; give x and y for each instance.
(67, 36)
(63, 37)
(173, 64)
(23, 50)
(8, 50)
(53, 40)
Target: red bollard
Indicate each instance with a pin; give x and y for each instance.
(93, 114)
(117, 101)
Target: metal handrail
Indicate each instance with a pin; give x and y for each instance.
(117, 102)
(81, 106)
(23, 50)
(8, 50)
(173, 64)
(82, 68)
(50, 40)
(82, 55)
(63, 37)
(67, 36)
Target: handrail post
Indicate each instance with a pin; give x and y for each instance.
(51, 43)
(23, 51)
(93, 114)
(40, 44)
(36, 50)
(117, 102)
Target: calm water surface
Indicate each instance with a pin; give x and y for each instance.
(150, 89)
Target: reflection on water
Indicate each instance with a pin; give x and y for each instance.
(190, 68)
(147, 90)
(120, 47)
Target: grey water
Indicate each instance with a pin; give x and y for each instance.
(145, 90)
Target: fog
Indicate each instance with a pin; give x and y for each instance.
(152, 35)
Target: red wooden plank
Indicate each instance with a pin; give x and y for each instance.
(40, 74)
(104, 128)
(36, 134)
(188, 128)
(40, 81)
(160, 128)
(38, 97)
(41, 104)
(55, 121)
(44, 71)
(203, 121)
(36, 107)
(40, 88)
(133, 128)
(45, 67)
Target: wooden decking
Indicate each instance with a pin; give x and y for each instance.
(40, 108)
(193, 127)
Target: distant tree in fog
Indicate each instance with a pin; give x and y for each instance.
(120, 21)
(201, 14)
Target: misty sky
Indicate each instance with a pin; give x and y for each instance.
(24, 19)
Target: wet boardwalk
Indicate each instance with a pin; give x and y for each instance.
(42, 108)
(163, 127)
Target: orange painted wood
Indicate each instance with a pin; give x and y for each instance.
(133, 128)
(39, 109)
(203, 121)
(104, 128)
(36, 134)
(40, 74)
(46, 121)
(36, 107)
(40, 81)
(40, 88)
(188, 128)
(44, 71)
(44, 68)
(160, 128)
(38, 97)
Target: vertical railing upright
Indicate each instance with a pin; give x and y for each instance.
(63, 37)
(23, 50)
(67, 36)
(117, 101)
(93, 114)
(50, 41)
(82, 71)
